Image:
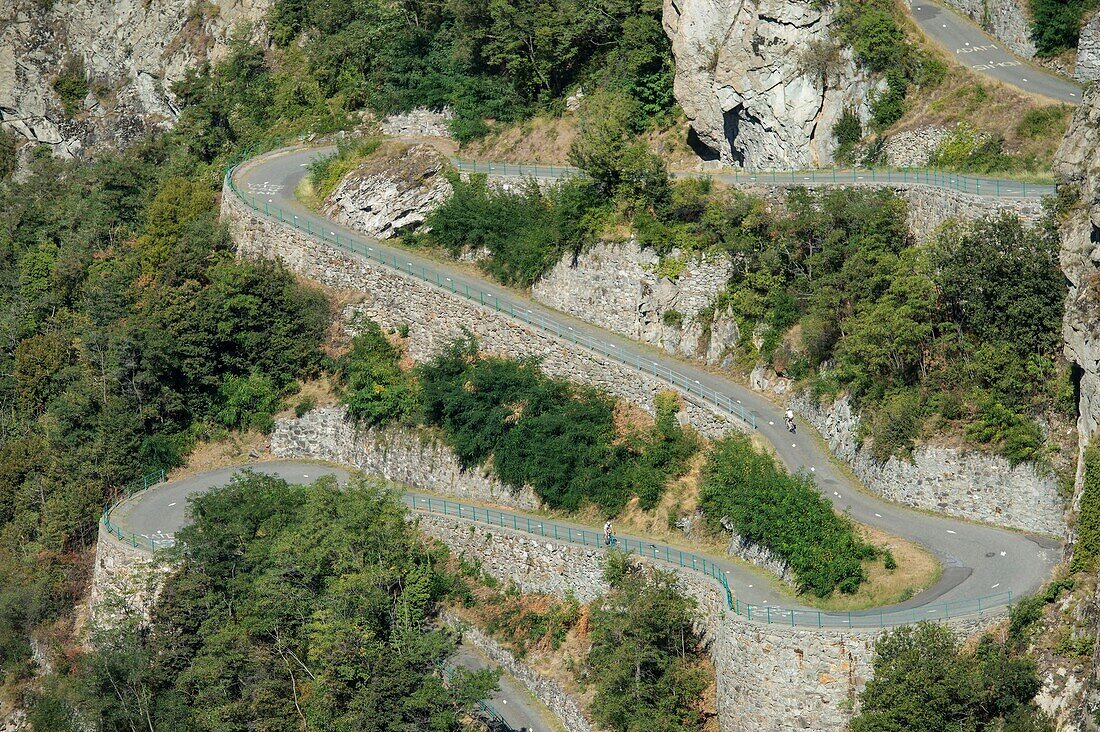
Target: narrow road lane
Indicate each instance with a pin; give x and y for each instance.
(978, 560)
(979, 52)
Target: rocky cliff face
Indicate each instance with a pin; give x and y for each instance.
(1077, 164)
(761, 81)
(393, 191)
(131, 52)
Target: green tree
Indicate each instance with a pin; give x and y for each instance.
(375, 388)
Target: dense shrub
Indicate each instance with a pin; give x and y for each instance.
(848, 130)
(71, 85)
(326, 171)
(526, 232)
(1086, 547)
(924, 680)
(316, 605)
(374, 388)
(548, 434)
(1056, 24)
(248, 402)
(1040, 122)
(967, 150)
(784, 513)
(500, 60)
(647, 664)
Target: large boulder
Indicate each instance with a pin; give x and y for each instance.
(393, 191)
(762, 82)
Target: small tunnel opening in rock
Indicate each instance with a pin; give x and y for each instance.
(700, 148)
(731, 121)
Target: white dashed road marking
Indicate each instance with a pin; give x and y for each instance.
(172, 504)
(878, 515)
(993, 587)
(951, 532)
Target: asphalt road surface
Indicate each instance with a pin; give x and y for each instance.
(979, 52)
(978, 560)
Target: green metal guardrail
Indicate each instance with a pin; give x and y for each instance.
(723, 402)
(488, 711)
(140, 485)
(663, 553)
(989, 187)
(547, 529)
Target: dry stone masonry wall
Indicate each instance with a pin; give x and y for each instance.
(436, 318)
(971, 485)
(126, 580)
(1005, 20)
(413, 457)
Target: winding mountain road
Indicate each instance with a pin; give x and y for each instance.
(978, 560)
(977, 51)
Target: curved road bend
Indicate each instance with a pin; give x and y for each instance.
(979, 52)
(978, 560)
(159, 513)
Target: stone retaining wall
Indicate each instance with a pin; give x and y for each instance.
(435, 318)
(547, 691)
(126, 580)
(769, 677)
(414, 457)
(972, 485)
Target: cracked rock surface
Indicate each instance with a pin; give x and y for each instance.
(746, 79)
(132, 52)
(393, 191)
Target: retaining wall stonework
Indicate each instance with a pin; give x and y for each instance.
(126, 581)
(414, 457)
(435, 318)
(972, 485)
(769, 677)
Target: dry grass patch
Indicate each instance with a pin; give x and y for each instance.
(234, 448)
(916, 570)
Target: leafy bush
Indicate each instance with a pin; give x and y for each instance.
(1018, 438)
(304, 406)
(896, 425)
(307, 601)
(646, 663)
(375, 389)
(967, 150)
(1056, 24)
(249, 402)
(71, 85)
(548, 434)
(924, 680)
(784, 513)
(1086, 546)
(848, 130)
(526, 232)
(1040, 122)
(672, 318)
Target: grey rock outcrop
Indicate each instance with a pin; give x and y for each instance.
(132, 51)
(763, 82)
(393, 191)
(1088, 51)
(1077, 164)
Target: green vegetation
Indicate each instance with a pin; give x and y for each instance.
(130, 332)
(968, 150)
(71, 85)
(374, 388)
(295, 608)
(1086, 548)
(1056, 24)
(9, 158)
(873, 29)
(924, 680)
(647, 664)
(784, 513)
(326, 171)
(525, 232)
(501, 60)
(545, 433)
